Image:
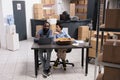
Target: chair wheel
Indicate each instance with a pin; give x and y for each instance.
(73, 65)
(67, 61)
(54, 67)
(64, 68)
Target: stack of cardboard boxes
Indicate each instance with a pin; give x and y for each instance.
(111, 55)
(92, 51)
(72, 9)
(38, 11)
(48, 2)
(112, 19)
(111, 47)
(48, 13)
(44, 10)
(79, 7)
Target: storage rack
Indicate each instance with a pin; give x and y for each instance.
(103, 30)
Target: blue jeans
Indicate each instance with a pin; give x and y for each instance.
(45, 55)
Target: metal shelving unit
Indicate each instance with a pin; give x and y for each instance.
(109, 64)
(103, 30)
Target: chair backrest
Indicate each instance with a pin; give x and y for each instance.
(68, 50)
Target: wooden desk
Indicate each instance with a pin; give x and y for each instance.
(36, 47)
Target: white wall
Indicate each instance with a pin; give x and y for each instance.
(1, 21)
(29, 14)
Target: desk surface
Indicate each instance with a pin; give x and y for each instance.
(55, 46)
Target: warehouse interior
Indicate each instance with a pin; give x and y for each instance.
(94, 29)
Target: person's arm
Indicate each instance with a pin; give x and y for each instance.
(66, 35)
(50, 34)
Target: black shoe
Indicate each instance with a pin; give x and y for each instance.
(44, 74)
(56, 63)
(48, 72)
(64, 64)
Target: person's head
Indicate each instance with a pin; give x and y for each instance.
(65, 13)
(46, 26)
(59, 27)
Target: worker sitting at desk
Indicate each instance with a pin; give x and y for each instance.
(45, 59)
(61, 53)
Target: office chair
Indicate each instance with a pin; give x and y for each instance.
(66, 61)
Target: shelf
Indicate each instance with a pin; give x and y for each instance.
(109, 30)
(110, 64)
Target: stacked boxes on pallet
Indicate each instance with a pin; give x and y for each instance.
(111, 55)
(72, 9)
(38, 11)
(80, 8)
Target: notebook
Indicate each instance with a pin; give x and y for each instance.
(45, 41)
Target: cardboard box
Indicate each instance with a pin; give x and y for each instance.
(52, 11)
(52, 1)
(83, 32)
(47, 12)
(38, 27)
(86, 2)
(72, 9)
(105, 36)
(112, 19)
(82, 2)
(92, 52)
(85, 10)
(38, 16)
(100, 57)
(111, 52)
(82, 16)
(37, 6)
(55, 16)
(42, 1)
(38, 11)
(111, 73)
(100, 77)
(80, 10)
(93, 43)
(46, 2)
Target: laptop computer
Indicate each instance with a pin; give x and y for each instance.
(45, 41)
